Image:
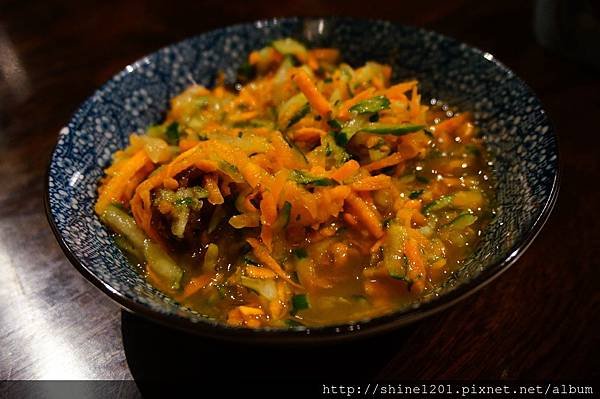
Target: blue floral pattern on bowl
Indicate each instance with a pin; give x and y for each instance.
(515, 128)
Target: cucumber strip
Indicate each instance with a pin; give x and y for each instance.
(162, 265)
(156, 258)
(264, 287)
(302, 112)
(217, 216)
(210, 258)
(393, 251)
(230, 170)
(125, 245)
(291, 323)
(458, 200)
(119, 221)
(288, 46)
(440, 203)
(371, 105)
(294, 147)
(396, 130)
(283, 218)
(353, 127)
(462, 221)
(305, 178)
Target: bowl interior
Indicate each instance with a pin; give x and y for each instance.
(515, 127)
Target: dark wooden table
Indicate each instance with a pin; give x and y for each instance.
(538, 321)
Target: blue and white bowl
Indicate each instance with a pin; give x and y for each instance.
(516, 130)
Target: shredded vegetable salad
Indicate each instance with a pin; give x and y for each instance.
(308, 193)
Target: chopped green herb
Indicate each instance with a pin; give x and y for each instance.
(473, 150)
(342, 138)
(300, 253)
(415, 194)
(422, 179)
(246, 72)
(246, 248)
(173, 133)
(187, 201)
(299, 302)
(222, 291)
(250, 260)
(334, 124)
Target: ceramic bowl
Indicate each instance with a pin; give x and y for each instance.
(515, 127)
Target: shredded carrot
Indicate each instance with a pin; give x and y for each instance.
(326, 54)
(315, 98)
(194, 285)
(260, 165)
(398, 90)
(186, 144)
(350, 219)
(268, 208)
(312, 62)
(141, 205)
(372, 183)
(450, 125)
(365, 214)
(278, 183)
(254, 58)
(266, 236)
(113, 190)
(345, 171)
(245, 220)
(212, 186)
(378, 244)
(309, 133)
(245, 116)
(259, 272)
(266, 259)
(390, 160)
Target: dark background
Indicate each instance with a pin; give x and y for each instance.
(538, 321)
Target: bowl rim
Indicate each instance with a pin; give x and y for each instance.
(324, 334)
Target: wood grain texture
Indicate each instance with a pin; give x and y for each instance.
(537, 321)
